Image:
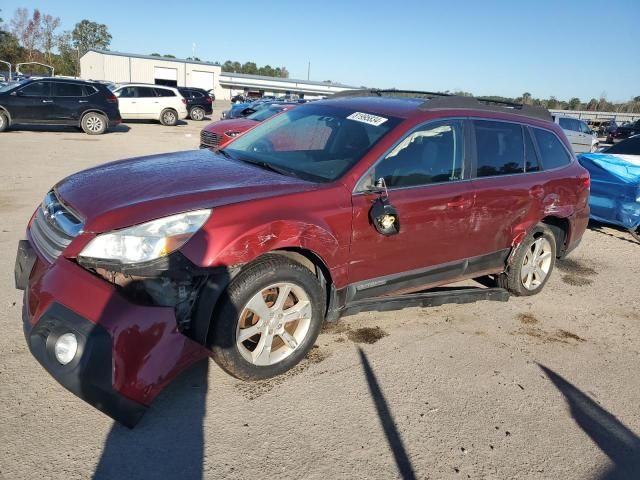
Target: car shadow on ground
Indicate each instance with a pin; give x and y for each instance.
(618, 442)
(169, 440)
(18, 128)
(403, 463)
(601, 228)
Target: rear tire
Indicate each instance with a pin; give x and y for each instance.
(254, 346)
(531, 264)
(197, 114)
(169, 117)
(94, 123)
(4, 121)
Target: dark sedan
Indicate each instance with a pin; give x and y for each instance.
(623, 131)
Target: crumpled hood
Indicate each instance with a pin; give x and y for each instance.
(127, 192)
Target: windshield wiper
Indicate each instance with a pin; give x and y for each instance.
(223, 152)
(268, 166)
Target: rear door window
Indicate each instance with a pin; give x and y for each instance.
(552, 151)
(64, 89)
(145, 92)
(431, 154)
(499, 148)
(36, 89)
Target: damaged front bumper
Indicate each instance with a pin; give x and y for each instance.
(127, 353)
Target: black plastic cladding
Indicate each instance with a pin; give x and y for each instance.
(444, 100)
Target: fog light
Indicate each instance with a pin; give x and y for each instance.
(65, 348)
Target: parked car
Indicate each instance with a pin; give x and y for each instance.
(218, 134)
(238, 99)
(626, 130)
(602, 127)
(615, 184)
(137, 269)
(48, 101)
(151, 102)
(581, 137)
(236, 110)
(199, 103)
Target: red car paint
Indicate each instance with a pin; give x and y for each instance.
(226, 130)
(256, 211)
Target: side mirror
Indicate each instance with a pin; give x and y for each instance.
(17, 93)
(383, 216)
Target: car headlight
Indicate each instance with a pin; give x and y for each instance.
(146, 241)
(231, 134)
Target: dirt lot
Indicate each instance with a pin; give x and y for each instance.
(536, 388)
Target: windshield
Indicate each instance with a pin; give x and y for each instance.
(10, 86)
(262, 114)
(315, 142)
(630, 146)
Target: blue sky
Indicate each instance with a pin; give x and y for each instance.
(562, 48)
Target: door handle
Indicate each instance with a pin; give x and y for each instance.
(460, 202)
(47, 101)
(83, 101)
(537, 191)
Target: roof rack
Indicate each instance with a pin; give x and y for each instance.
(435, 100)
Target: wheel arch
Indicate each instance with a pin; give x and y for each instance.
(560, 228)
(92, 110)
(6, 112)
(211, 295)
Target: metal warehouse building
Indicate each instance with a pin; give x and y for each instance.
(126, 67)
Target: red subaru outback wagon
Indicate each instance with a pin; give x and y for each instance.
(134, 270)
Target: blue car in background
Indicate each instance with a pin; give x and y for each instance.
(615, 184)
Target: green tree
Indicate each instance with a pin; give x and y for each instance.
(574, 103)
(10, 50)
(49, 26)
(67, 60)
(526, 98)
(28, 30)
(88, 34)
(169, 56)
(552, 103)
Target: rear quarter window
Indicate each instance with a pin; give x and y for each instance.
(552, 151)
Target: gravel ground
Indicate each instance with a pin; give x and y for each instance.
(536, 388)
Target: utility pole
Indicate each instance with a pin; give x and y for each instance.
(309, 70)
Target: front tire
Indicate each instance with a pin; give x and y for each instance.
(532, 263)
(94, 123)
(4, 121)
(169, 117)
(269, 319)
(197, 114)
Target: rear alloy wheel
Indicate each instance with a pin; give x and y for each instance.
(269, 319)
(531, 264)
(169, 117)
(197, 114)
(94, 123)
(4, 121)
(635, 233)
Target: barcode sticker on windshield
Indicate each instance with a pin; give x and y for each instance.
(367, 118)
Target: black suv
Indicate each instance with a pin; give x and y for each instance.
(199, 103)
(56, 101)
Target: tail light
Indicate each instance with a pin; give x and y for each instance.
(112, 99)
(585, 181)
(184, 100)
(209, 100)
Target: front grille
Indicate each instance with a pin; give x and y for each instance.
(53, 228)
(209, 139)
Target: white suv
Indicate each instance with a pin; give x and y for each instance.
(578, 133)
(151, 102)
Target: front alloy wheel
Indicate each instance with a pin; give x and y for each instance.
(273, 324)
(268, 318)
